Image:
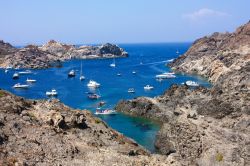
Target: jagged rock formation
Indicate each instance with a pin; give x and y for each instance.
(52, 53)
(205, 126)
(49, 133)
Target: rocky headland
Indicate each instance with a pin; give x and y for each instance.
(46, 132)
(53, 53)
(205, 126)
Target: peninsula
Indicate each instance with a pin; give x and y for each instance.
(205, 126)
(53, 53)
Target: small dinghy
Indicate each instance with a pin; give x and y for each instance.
(53, 92)
(100, 111)
(15, 76)
(148, 87)
(131, 90)
(21, 86)
(72, 73)
(30, 80)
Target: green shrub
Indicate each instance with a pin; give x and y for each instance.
(97, 120)
(219, 157)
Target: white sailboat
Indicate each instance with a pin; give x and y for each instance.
(113, 64)
(81, 76)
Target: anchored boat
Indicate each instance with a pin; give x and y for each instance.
(15, 76)
(53, 92)
(30, 80)
(21, 86)
(93, 84)
(148, 87)
(100, 111)
(72, 73)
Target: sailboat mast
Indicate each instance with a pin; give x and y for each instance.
(81, 68)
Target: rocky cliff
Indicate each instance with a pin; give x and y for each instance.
(205, 126)
(53, 53)
(49, 133)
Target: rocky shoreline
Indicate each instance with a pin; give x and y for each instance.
(53, 53)
(46, 132)
(205, 126)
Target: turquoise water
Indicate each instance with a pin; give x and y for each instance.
(72, 91)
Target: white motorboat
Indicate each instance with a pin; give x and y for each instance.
(113, 64)
(81, 75)
(133, 72)
(30, 80)
(71, 73)
(99, 111)
(25, 72)
(93, 84)
(21, 86)
(119, 74)
(131, 90)
(165, 76)
(15, 76)
(191, 83)
(148, 87)
(53, 92)
(6, 70)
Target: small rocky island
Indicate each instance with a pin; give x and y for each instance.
(205, 126)
(53, 53)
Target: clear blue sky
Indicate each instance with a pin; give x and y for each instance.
(117, 21)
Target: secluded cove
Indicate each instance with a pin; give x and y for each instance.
(146, 59)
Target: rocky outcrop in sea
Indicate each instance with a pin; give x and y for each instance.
(46, 132)
(53, 53)
(204, 126)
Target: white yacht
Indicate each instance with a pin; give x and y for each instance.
(165, 76)
(131, 90)
(25, 72)
(21, 86)
(71, 73)
(93, 84)
(30, 80)
(148, 87)
(113, 64)
(99, 111)
(15, 76)
(191, 83)
(53, 92)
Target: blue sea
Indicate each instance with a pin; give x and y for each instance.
(147, 60)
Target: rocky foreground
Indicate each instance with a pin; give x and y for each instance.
(53, 53)
(49, 133)
(205, 126)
